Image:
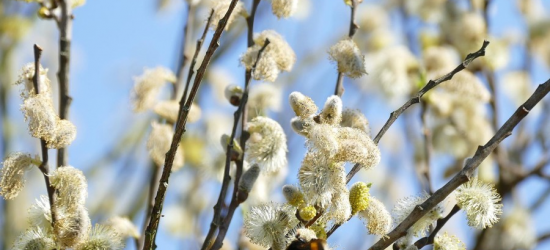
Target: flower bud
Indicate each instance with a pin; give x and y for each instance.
(332, 112)
(359, 197)
(307, 213)
(224, 140)
(11, 175)
(233, 93)
(293, 195)
(302, 105)
(247, 182)
(300, 126)
(44, 12)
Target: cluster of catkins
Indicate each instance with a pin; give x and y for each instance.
(67, 224)
(334, 137)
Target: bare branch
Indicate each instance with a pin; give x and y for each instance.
(194, 60)
(465, 174)
(65, 29)
(240, 163)
(416, 99)
(44, 168)
(339, 89)
(185, 106)
(440, 223)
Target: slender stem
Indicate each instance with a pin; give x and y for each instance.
(339, 89)
(44, 168)
(440, 223)
(157, 170)
(234, 204)
(65, 36)
(465, 174)
(185, 106)
(153, 184)
(416, 99)
(240, 112)
(194, 60)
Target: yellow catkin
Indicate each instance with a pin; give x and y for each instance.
(359, 197)
(307, 212)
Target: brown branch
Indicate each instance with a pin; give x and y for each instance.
(44, 168)
(440, 223)
(234, 204)
(185, 106)
(339, 89)
(543, 237)
(194, 60)
(65, 36)
(153, 184)
(157, 170)
(416, 99)
(242, 112)
(465, 174)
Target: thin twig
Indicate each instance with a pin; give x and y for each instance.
(234, 204)
(185, 106)
(241, 113)
(465, 174)
(194, 60)
(416, 99)
(44, 168)
(339, 89)
(157, 170)
(543, 237)
(440, 223)
(65, 36)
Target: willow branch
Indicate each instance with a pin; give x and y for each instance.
(416, 99)
(339, 89)
(185, 106)
(465, 174)
(440, 223)
(235, 200)
(240, 113)
(194, 60)
(65, 36)
(44, 168)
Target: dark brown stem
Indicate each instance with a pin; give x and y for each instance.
(157, 170)
(416, 99)
(194, 60)
(234, 204)
(64, 25)
(153, 184)
(44, 168)
(339, 89)
(466, 173)
(543, 237)
(425, 171)
(440, 223)
(241, 112)
(185, 106)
